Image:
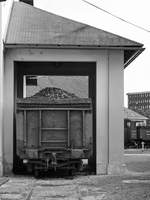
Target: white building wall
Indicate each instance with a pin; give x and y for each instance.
(116, 112)
(102, 115)
(1, 94)
(109, 67)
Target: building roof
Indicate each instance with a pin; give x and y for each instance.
(133, 116)
(30, 26)
(144, 92)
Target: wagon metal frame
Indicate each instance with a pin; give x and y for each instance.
(54, 157)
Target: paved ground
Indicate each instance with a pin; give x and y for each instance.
(135, 185)
(137, 161)
(80, 188)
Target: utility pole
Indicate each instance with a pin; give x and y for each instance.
(1, 93)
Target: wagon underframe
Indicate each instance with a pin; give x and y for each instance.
(54, 137)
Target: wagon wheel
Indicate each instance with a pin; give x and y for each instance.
(71, 171)
(36, 173)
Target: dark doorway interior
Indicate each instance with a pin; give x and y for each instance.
(62, 69)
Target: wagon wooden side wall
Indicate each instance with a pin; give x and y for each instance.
(56, 128)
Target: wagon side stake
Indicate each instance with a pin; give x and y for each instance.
(54, 160)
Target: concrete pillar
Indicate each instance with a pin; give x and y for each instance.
(116, 122)
(1, 95)
(102, 115)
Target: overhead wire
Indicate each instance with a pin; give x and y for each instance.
(126, 21)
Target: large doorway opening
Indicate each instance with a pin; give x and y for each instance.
(75, 78)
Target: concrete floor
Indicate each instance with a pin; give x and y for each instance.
(137, 161)
(132, 186)
(80, 188)
(22, 188)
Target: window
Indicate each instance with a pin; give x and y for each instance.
(78, 85)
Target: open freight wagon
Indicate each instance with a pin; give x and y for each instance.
(53, 134)
(135, 135)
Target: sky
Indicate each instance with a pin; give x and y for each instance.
(137, 74)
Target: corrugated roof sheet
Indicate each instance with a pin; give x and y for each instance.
(132, 115)
(33, 26)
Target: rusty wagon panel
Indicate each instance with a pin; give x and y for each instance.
(54, 132)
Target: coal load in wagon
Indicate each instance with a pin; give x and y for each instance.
(54, 131)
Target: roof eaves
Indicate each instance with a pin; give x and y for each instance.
(68, 46)
(135, 55)
(136, 119)
(130, 93)
(138, 49)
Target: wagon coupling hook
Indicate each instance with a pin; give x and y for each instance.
(54, 160)
(47, 163)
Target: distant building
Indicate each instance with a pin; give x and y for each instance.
(132, 122)
(138, 119)
(140, 102)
